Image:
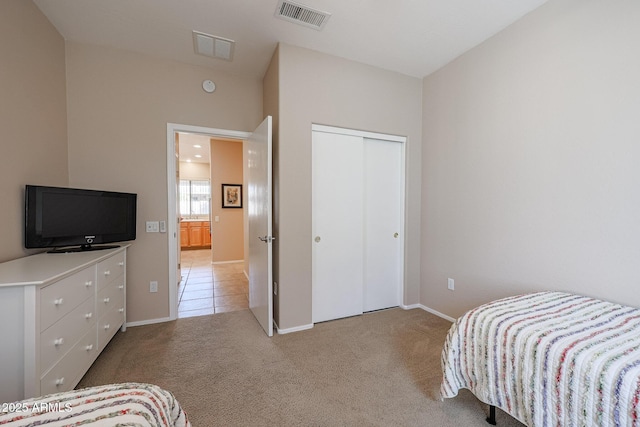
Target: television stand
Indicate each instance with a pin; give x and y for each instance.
(82, 248)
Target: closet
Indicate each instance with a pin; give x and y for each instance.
(358, 202)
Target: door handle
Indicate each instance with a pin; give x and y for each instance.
(267, 239)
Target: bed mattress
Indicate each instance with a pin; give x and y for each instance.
(128, 404)
(549, 359)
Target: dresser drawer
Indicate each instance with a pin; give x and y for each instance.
(62, 297)
(108, 325)
(66, 374)
(109, 269)
(56, 341)
(110, 297)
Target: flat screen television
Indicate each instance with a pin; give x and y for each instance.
(58, 218)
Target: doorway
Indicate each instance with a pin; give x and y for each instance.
(211, 257)
(173, 222)
(257, 174)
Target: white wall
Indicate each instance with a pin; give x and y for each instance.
(33, 115)
(340, 93)
(195, 171)
(531, 160)
(119, 104)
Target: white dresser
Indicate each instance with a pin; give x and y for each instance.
(57, 313)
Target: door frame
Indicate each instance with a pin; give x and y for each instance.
(173, 234)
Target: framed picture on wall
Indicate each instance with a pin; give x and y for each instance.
(231, 195)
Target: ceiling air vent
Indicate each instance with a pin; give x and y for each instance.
(303, 15)
(213, 46)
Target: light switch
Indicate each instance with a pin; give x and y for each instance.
(152, 226)
(216, 218)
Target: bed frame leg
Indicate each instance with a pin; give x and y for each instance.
(491, 419)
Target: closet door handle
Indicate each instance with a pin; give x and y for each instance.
(317, 239)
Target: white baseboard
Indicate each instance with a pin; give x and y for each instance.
(437, 313)
(149, 322)
(298, 328)
(289, 330)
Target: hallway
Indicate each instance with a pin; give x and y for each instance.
(208, 288)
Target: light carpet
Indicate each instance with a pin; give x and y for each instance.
(378, 369)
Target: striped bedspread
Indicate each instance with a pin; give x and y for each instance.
(549, 359)
(129, 404)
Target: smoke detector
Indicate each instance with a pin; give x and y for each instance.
(301, 14)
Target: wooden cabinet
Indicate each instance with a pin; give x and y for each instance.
(184, 234)
(206, 235)
(195, 234)
(57, 313)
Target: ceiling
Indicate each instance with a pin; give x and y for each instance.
(196, 148)
(192, 145)
(412, 37)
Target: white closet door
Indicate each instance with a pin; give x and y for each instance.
(337, 206)
(383, 223)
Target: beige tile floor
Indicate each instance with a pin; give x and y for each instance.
(208, 288)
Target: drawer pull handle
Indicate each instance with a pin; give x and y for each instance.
(59, 381)
(121, 310)
(107, 326)
(58, 341)
(89, 347)
(58, 301)
(88, 283)
(106, 300)
(107, 272)
(121, 287)
(121, 263)
(88, 315)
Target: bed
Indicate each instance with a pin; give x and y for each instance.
(549, 359)
(128, 404)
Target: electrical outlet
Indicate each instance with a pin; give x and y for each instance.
(153, 286)
(450, 284)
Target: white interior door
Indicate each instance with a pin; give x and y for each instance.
(383, 223)
(337, 203)
(259, 201)
(357, 222)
